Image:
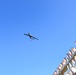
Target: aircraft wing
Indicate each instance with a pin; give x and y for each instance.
(35, 38)
(25, 34)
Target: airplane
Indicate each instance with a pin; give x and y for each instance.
(30, 36)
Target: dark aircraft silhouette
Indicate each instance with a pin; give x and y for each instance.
(30, 36)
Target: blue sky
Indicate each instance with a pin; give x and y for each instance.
(52, 21)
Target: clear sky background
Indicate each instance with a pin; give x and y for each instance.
(52, 21)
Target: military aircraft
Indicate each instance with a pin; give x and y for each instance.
(30, 36)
